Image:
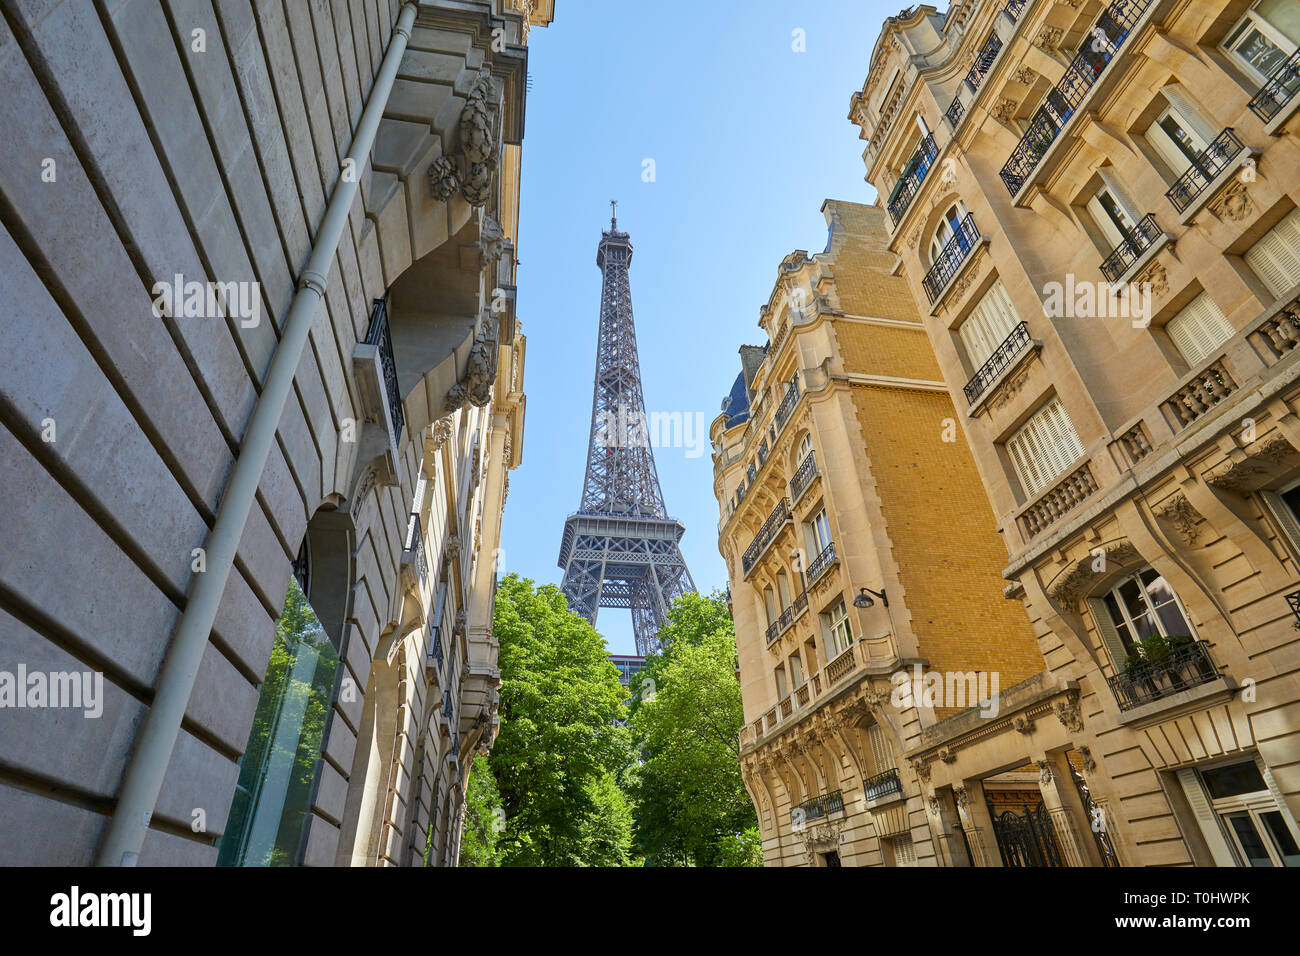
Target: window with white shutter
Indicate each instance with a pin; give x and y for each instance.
(904, 852)
(988, 325)
(1199, 329)
(1043, 447)
(882, 754)
(1276, 257)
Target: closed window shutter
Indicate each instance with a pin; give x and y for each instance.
(882, 754)
(1275, 258)
(1188, 115)
(1199, 329)
(990, 322)
(1283, 518)
(904, 852)
(1205, 818)
(1044, 446)
(1109, 636)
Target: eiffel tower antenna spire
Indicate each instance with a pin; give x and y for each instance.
(620, 549)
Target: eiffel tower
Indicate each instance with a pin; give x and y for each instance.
(620, 549)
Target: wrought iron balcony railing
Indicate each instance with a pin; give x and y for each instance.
(882, 785)
(1135, 242)
(1211, 161)
(1011, 348)
(913, 176)
(1015, 8)
(803, 475)
(787, 403)
(953, 254)
(821, 563)
(447, 706)
(955, 111)
(436, 650)
(1280, 88)
(379, 335)
(984, 61)
(1108, 35)
(413, 549)
(1184, 667)
(766, 534)
(773, 630)
(1293, 602)
(822, 806)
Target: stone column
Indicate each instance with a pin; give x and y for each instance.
(977, 824)
(1065, 809)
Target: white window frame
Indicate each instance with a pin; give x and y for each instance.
(1032, 465)
(1252, 19)
(985, 322)
(1151, 609)
(1214, 326)
(947, 228)
(1168, 149)
(837, 630)
(1289, 271)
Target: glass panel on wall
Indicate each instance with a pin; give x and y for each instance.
(277, 773)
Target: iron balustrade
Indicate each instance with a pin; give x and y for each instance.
(1135, 242)
(786, 618)
(1278, 90)
(821, 563)
(446, 704)
(799, 604)
(413, 551)
(779, 516)
(773, 630)
(1006, 353)
(955, 112)
(1015, 8)
(1182, 668)
(1208, 164)
(1293, 601)
(984, 61)
(882, 785)
(788, 403)
(822, 806)
(379, 335)
(1108, 35)
(917, 166)
(436, 650)
(950, 258)
(803, 475)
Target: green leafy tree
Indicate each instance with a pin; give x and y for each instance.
(691, 805)
(561, 747)
(484, 817)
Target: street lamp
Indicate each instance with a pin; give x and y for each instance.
(863, 598)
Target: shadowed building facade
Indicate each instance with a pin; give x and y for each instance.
(280, 512)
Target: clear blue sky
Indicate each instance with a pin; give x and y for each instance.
(748, 138)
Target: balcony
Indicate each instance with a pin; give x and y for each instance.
(786, 618)
(1061, 499)
(841, 666)
(1207, 166)
(777, 520)
(772, 632)
(984, 61)
(803, 476)
(1282, 86)
(787, 403)
(413, 555)
(822, 806)
(1015, 8)
(955, 252)
(379, 336)
(1131, 248)
(822, 563)
(912, 176)
(1062, 102)
(1182, 668)
(1206, 389)
(882, 786)
(447, 705)
(1012, 347)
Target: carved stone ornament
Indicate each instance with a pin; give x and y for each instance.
(1070, 587)
(1070, 714)
(444, 179)
(1044, 771)
(1178, 511)
(921, 769)
(475, 387)
(1243, 475)
(1155, 276)
(1023, 724)
(470, 168)
(1009, 388)
(441, 432)
(933, 803)
(1005, 109)
(1089, 764)
(452, 551)
(364, 484)
(946, 755)
(1049, 38)
(1026, 76)
(963, 798)
(823, 836)
(475, 128)
(1233, 204)
(491, 240)
(459, 628)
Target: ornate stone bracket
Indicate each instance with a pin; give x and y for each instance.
(469, 169)
(475, 387)
(1069, 713)
(1071, 587)
(1179, 513)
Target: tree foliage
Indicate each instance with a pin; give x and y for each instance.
(691, 805)
(561, 747)
(484, 817)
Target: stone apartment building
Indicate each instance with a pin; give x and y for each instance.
(839, 466)
(262, 516)
(1095, 206)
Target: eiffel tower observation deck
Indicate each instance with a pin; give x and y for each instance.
(621, 549)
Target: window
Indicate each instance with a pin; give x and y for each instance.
(831, 858)
(1110, 215)
(805, 448)
(796, 670)
(1285, 510)
(783, 588)
(817, 534)
(1178, 134)
(882, 754)
(1198, 330)
(1043, 447)
(946, 229)
(769, 604)
(1243, 805)
(837, 629)
(1137, 608)
(1264, 37)
(904, 852)
(988, 325)
(781, 690)
(1275, 258)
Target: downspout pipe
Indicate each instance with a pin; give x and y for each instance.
(143, 778)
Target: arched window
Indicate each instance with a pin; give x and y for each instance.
(948, 227)
(1136, 609)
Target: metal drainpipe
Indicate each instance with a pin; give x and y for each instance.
(147, 764)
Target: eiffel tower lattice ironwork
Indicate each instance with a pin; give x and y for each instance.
(620, 549)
